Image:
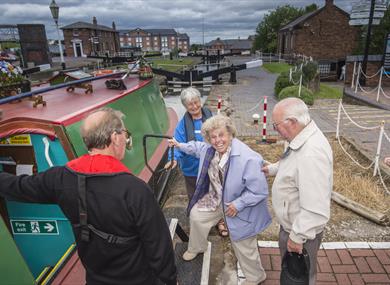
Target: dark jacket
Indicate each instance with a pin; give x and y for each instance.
(118, 203)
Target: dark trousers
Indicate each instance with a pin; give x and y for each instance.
(311, 247)
(190, 186)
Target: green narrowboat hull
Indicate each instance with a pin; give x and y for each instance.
(42, 136)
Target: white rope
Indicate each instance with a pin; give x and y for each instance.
(365, 91)
(386, 136)
(384, 94)
(257, 105)
(356, 124)
(295, 83)
(370, 76)
(382, 181)
(356, 162)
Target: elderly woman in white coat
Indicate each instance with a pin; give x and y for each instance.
(230, 186)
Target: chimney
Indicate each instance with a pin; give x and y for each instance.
(328, 2)
(113, 26)
(94, 21)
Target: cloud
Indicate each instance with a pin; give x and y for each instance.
(218, 18)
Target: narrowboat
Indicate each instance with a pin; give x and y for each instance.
(40, 129)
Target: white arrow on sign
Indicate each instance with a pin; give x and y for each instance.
(360, 22)
(49, 227)
(367, 8)
(360, 15)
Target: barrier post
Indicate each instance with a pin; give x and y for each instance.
(380, 84)
(264, 139)
(353, 75)
(358, 77)
(219, 105)
(338, 120)
(290, 77)
(378, 149)
(300, 86)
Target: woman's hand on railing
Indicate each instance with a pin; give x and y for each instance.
(173, 143)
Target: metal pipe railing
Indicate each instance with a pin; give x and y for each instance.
(58, 86)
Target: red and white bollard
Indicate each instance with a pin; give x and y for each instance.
(219, 105)
(264, 139)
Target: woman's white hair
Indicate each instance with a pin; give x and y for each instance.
(295, 108)
(189, 94)
(216, 122)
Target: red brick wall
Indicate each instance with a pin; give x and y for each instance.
(326, 35)
(106, 41)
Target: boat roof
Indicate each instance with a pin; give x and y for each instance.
(63, 107)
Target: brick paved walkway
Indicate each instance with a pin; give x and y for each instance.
(338, 266)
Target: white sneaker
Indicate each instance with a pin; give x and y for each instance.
(188, 256)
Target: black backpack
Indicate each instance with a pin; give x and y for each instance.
(295, 268)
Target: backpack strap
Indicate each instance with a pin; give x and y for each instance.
(85, 228)
(110, 238)
(83, 208)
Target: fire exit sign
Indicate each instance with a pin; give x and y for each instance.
(34, 227)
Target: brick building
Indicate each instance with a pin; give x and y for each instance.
(85, 39)
(324, 34)
(183, 42)
(230, 45)
(160, 40)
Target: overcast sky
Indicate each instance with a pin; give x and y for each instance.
(222, 18)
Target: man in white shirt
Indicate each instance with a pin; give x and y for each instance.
(303, 184)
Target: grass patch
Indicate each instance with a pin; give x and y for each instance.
(172, 65)
(276, 67)
(328, 92)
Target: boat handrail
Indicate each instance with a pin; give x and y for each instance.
(58, 86)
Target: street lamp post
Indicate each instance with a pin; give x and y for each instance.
(54, 9)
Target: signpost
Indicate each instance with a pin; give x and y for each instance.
(34, 227)
(386, 55)
(369, 12)
(360, 14)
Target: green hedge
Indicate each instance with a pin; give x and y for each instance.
(292, 91)
(282, 82)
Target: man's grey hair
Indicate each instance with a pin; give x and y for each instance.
(189, 94)
(216, 122)
(98, 134)
(295, 108)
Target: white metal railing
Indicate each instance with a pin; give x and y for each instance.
(280, 57)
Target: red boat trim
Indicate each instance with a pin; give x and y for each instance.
(72, 272)
(20, 131)
(145, 173)
(69, 120)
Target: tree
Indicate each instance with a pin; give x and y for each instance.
(378, 36)
(196, 47)
(267, 30)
